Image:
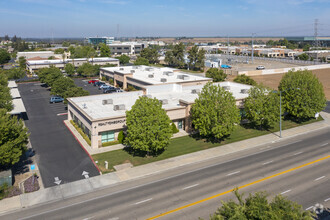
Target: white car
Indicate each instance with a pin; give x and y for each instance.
(260, 67)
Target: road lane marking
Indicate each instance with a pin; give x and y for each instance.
(240, 187)
(229, 174)
(188, 187)
(319, 178)
(324, 144)
(62, 114)
(285, 191)
(298, 153)
(326, 199)
(267, 162)
(146, 200)
(310, 207)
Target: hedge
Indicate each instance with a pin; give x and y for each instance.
(86, 138)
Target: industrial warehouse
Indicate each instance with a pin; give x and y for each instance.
(102, 117)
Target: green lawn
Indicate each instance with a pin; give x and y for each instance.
(184, 145)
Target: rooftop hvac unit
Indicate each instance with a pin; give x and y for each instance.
(84, 106)
(164, 101)
(168, 73)
(132, 71)
(151, 75)
(195, 91)
(163, 80)
(180, 76)
(186, 77)
(226, 87)
(121, 68)
(119, 107)
(107, 101)
(244, 91)
(135, 67)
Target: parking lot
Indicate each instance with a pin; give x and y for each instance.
(93, 90)
(60, 157)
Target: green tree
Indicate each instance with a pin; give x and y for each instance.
(262, 107)
(13, 139)
(216, 74)
(150, 54)
(196, 58)
(256, 206)
(105, 50)
(245, 80)
(15, 73)
(303, 56)
(75, 92)
(65, 44)
(88, 70)
(59, 51)
(5, 96)
(72, 50)
(51, 58)
(148, 126)
(123, 59)
(174, 128)
(175, 57)
(69, 69)
(141, 61)
(302, 95)
(22, 62)
(49, 75)
(121, 137)
(4, 56)
(214, 112)
(61, 85)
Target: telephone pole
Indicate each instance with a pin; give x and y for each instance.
(316, 41)
(252, 53)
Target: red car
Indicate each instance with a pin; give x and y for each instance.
(92, 81)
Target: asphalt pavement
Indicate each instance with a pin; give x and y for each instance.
(93, 90)
(327, 108)
(59, 155)
(298, 169)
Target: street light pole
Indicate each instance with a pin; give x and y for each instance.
(280, 114)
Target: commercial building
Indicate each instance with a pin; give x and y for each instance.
(99, 40)
(127, 48)
(323, 41)
(102, 117)
(142, 76)
(40, 55)
(33, 65)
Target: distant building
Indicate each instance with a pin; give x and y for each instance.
(128, 48)
(41, 54)
(33, 65)
(323, 41)
(98, 40)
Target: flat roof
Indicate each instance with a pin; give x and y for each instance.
(156, 75)
(35, 52)
(96, 59)
(18, 107)
(12, 84)
(173, 93)
(15, 93)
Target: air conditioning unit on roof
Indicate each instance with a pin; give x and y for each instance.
(226, 87)
(195, 91)
(164, 101)
(119, 107)
(107, 101)
(163, 80)
(244, 91)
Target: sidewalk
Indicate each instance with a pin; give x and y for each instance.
(87, 185)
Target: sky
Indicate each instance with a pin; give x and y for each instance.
(161, 18)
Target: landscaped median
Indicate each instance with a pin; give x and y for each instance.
(185, 145)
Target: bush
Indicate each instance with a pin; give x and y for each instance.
(121, 137)
(86, 138)
(216, 74)
(245, 80)
(105, 144)
(174, 128)
(31, 184)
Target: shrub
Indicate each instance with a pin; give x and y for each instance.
(245, 80)
(174, 128)
(121, 137)
(86, 138)
(31, 184)
(105, 144)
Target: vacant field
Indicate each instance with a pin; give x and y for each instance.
(216, 39)
(274, 79)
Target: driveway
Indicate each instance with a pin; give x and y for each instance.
(58, 154)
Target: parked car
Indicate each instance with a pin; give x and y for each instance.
(110, 90)
(92, 81)
(98, 83)
(55, 99)
(260, 67)
(225, 66)
(104, 86)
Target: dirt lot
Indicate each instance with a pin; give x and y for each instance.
(215, 39)
(274, 79)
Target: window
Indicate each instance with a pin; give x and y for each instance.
(180, 124)
(108, 136)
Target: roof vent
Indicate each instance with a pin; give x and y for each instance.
(195, 91)
(244, 91)
(149, 69)
(163, 80)
(107, 101)
(226, 87)
(164, 101)
(121, 68)
(151, 75)
(132, 71)
(84, 106)
(168, 73)
(135, 67)
(186, 77)
(119, 107)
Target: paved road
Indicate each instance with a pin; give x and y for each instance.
(144, 198)
(58, 153)
(327, 108)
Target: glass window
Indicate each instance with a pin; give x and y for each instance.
(108, 136)
(180, 124)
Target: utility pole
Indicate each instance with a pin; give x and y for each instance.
(316, 42)
(227, 45)
(252, 53)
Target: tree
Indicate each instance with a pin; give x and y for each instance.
(302, 95)
(123, 59)
(245, 80)
(150, 54)
(49, 75)
(262, 107)
(216, 74)
(105, 50)
(4, 56)
(13, 139)
(59, 51)
(61, 85)
(15, 73)
(5, 96)
(214, 112)
(72, 50)
(174, 128)
(175, 57)
(22, 62)
(65, 44)
(196, 58)
(148, 126)
(75, 92)
(141, 61)
(88, 69)
(51, 58)
(69, 69)
(256, 206)
(303, 56)
(121, 137)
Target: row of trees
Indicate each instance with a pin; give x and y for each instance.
(13, 134)
(60, 85)
(215, 114)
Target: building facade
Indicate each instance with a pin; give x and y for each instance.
(99, 40)
(127, 48)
